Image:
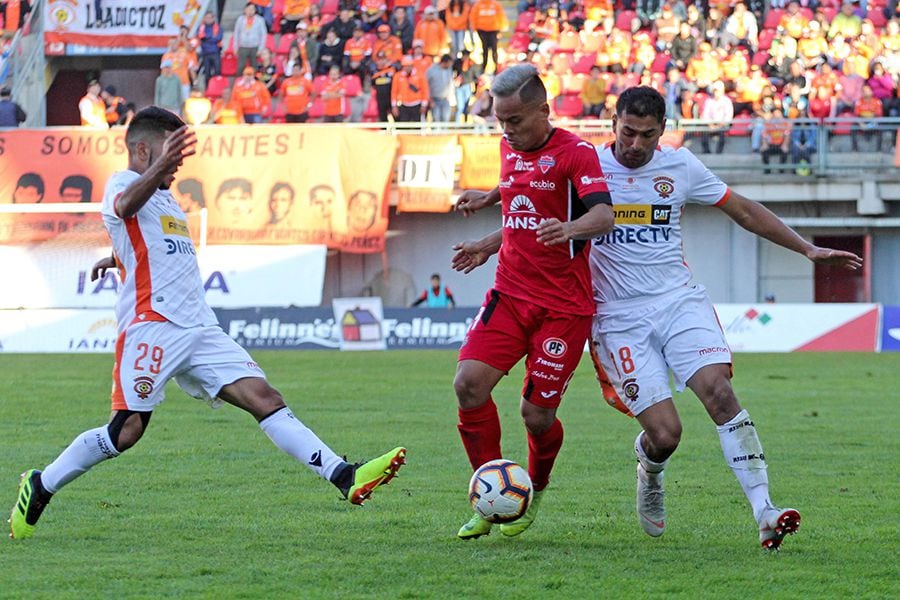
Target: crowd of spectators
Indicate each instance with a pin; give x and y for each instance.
(725, 62)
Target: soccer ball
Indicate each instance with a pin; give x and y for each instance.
(500, 491)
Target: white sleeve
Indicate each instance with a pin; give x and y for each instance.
(705, 187)
(116, 185)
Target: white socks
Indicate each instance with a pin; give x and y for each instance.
(650, 467)
(88, 449)
(296, 439)
(744, 454)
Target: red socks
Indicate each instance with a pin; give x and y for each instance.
(542, 451)
(479, 429)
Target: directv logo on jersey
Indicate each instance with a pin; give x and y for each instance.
(179, 246)
(543, 185)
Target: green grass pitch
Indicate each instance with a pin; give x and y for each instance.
(205, 506)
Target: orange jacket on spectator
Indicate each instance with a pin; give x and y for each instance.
(296, 92)
(487, 15)
(296, 8)
(734, 66)
(93, 112)
(227, 112)
(357, 49)
(392, 48)
(13, 15)
(776, 132)
(827, 82)
(433, 33)
(409, 89)
(183, 62)
(254, 97)
(868, 108)
(333, 94)
(458, 21)
(704, 69)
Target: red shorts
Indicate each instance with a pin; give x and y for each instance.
(506, 329)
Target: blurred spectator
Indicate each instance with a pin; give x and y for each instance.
(776, 138)
(870, 39)
(793, 21)
(846, 23)
(783, 45)
(168, 92)
(436, 296)
(593, 93)
(856, 62)
(372, 13)
(402, 26)
(331, 53)
(252, 95)
(487, 19)
(820, 105)
(184, 64)
(457, 18)
(357, 51)
(15, 13)
(382, 79)
(249, 36)
(439, 77)
(812, 47)
(344, 25)
(264, 10)
(432, 32)
(741, 28)
(309, 47)
(647, 12)
(733, 65)
(210, 35)
(409, 93)
(665, 26)
(688, 106)
(11, 114)
(294, 13)
(409, 10)
(197, 107)
(793, 101)
(226, 110)
(715, 27)
(267, 71)
(826, 80)
(719, 111)
(296, 94)
(684, 47)
(115, 106)
(93, 109)
(334, 96)
(644, 53)
(803, 144)
(749, 89)
(295, 61)
(848, 92)
(797, 76)
(704, 68)
(465, 75)
(883, 87)
(388, 45)
(421, 62)
(868, 107)
(609, 107)
(696, 21)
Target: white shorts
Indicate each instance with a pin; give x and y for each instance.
(202, 360)
(636, 343)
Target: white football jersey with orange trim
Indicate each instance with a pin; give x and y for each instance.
(157, 260)
(643, 255)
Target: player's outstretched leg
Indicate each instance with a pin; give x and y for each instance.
(775, 524)
(474, 528)
(361, 479)
(31, 501)
(525, 521)
(651, 508)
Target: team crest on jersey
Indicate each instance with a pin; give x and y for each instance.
(143, 386)
(664, 186)
(554, 347)
(631, 389)
(546, 163)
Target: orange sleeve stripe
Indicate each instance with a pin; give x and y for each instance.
(724, 198)
(118, 397)
(607, 389)
(142, 279)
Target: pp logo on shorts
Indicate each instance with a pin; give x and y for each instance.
(143, 387)
(554, 347)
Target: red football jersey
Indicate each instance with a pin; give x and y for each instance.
(562, 180)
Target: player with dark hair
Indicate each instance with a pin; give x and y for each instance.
(168, 331)
(554, 199)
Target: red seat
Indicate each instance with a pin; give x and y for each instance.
(352, 85)
(524, 21)
(632, 79)
(284, 44)
(844, 127)
(279, 115)
(270, 42)
(319, 82)
(216, 85)
(740, 127)
(660, 62)
(624, 19)
(229, 64)
(878, 19)
(370, 115)
(765, 38)
(518, 42)
(317, 110)
(568, 105)
(584, 63)
(773, 18)
(330, 7)
(760, 58)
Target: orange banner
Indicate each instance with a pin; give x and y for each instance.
(425, 170)
(261, 185)
(481, 156)
(480, 162)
